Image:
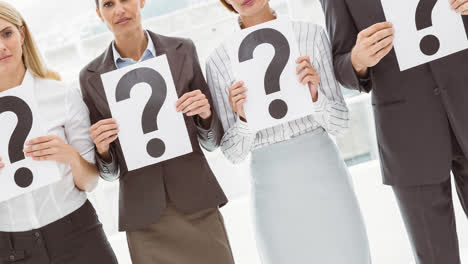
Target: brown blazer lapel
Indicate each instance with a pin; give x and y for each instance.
(175, 56)
(366, 12)
(96, 84)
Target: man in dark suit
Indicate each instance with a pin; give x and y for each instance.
(421, 121)
(169, 210)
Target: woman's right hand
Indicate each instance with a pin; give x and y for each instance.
(237, 98)
(2, 165)
(103, 133)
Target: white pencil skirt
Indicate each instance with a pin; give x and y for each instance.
(304, 206)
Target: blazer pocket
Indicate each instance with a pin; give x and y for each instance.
(388, 103)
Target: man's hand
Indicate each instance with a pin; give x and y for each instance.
(372, 44)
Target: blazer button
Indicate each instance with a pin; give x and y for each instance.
(437, 91)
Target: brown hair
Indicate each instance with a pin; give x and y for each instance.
(228, 6)
(31, 57)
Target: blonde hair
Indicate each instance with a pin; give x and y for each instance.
(31, 57)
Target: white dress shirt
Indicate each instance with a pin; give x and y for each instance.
(330, 111)
(64, 114)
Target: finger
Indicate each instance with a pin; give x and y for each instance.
(186, 96)
(2, 165)
(198, 111)
(45, 158)
(108, 121)
(307, 72)
(40, 140)
(381, 44)
(238, 91)
(238, 97)
(106, 135)
(304, 79)
(380, 35)
(463, 8)
(302, 59)
(109, 140)
(382, 53)
(240, 104)
(236, 85)
(303, 65)
(196, 105)
(43, 152)
(103, 129)
(190, 100)
(373, 29)
(457, 3)
(309, 79)
(37, 147)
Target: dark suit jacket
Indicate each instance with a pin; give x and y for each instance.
(188, 180)
(413, 109)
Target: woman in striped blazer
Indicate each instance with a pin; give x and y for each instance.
(305, 209)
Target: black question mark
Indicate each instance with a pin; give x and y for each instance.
(23, 176)
(278, 108)
(429, 44)
(155, 146)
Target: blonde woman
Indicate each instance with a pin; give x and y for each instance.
(304, 206)
(56, 223)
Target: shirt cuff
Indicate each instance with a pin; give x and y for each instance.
(206, 133)
(319, 105)
(106, 167)
(243, 128)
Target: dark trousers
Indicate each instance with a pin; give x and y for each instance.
(78, 238)
(429, 215)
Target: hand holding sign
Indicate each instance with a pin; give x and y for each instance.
(460, 6)
(51, 147)
(142, 98)
(194, 103)
(103, 133)
(237, 98)
(372, 45)
(308, 76)
(264, 58)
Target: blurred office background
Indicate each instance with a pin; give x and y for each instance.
(70, 34)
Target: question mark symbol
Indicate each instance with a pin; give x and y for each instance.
(278, 108)
(155, 147)
(23, 176)
(429, 44)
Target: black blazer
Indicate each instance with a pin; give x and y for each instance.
(413, 109)
(188, 180)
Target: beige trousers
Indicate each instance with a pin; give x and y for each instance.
(198, 238)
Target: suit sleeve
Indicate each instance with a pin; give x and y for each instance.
(343, 34)
(108, 171)
(209, 138)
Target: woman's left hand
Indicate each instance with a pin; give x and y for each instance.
(460, 6)
(308, 75)
(51, 148)
(194, 103)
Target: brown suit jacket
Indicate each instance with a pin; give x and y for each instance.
(188, 180)
(413, 109)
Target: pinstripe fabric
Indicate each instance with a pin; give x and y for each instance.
(330, 111)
